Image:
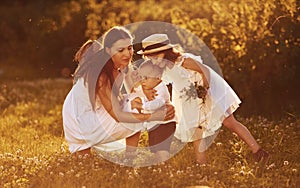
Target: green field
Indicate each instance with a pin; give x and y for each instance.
(33, 152)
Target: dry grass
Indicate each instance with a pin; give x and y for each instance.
(33, 152)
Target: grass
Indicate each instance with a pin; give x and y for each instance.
(33, 152)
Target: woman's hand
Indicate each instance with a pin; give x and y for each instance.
(170, 114)
(163, 114)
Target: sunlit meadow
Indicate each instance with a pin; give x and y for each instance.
(33, 152)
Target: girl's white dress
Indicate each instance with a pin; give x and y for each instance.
(197, 120)
(84, 127)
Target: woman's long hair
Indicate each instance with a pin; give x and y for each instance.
(96, 61)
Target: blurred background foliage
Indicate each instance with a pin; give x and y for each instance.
(256, 43)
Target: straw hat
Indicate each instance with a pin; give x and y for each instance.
(155, 43)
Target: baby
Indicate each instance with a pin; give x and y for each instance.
(141, 100)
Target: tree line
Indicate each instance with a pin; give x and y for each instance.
(256, 43)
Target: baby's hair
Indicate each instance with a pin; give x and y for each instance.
(147, 68)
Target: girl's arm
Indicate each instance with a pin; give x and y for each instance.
(113, 107)
(191, 64)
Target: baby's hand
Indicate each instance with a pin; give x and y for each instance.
(137, 103)
(150, 94)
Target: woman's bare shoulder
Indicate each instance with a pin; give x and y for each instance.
(102, 80)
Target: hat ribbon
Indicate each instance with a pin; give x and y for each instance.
(158, 45)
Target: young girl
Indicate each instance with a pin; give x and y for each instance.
(198, 121)
(140, 100)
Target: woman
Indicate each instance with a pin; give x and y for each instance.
(199, 118)
(92, 112)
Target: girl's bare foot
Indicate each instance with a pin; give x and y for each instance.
(83, 152)
(261, 156)
(201, 158)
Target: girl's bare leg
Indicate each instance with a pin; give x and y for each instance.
(200, 156)
(235, 126)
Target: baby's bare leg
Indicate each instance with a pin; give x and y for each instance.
(132, 142)
(160, 139)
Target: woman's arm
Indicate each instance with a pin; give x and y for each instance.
(155, 104)
(113, 107)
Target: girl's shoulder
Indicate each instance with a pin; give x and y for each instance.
(190, 62)
(192, 58)
(188, 58)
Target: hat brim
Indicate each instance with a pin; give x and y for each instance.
(155, 50)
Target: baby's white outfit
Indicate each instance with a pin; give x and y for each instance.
(149, 106)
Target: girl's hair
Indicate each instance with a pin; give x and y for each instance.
(110, 37)
(171, 54)
(79, 54)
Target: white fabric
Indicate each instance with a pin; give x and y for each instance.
(111, 146)
(149, 106)
(220, 101)
(85, 128)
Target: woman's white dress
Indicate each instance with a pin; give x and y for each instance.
(85, 127)
(221, 101)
